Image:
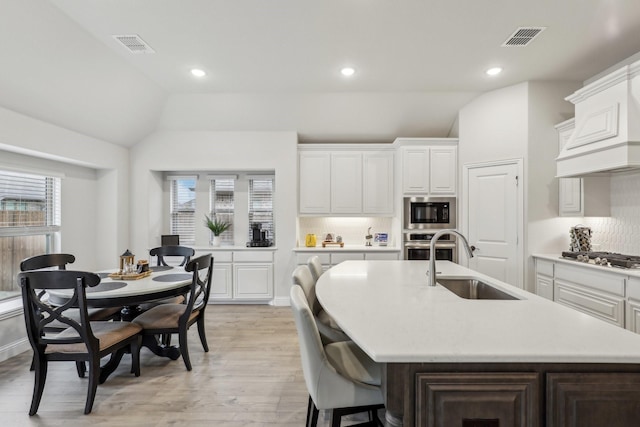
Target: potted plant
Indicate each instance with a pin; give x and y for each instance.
(217, 227)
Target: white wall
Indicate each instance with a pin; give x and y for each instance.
(517, 122)
(216, 151)
(94, 197)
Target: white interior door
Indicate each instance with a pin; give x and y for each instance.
(494, 217)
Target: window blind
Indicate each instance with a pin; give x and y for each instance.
(29, 204)
(221, 203)
(261, 189)
(183, 207)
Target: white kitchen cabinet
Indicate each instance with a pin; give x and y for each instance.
(604, 306)
(632, 308)
(346, 182)
(377, 182)
(314, 181)
(241, 276)
(443, 170)
(339, 181)
(415, 169)
(429, 170)
(581, 196)
(381, 256)
(544, 279)
(329, 258)
(252, 281)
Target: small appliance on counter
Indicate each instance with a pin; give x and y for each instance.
(259, 237)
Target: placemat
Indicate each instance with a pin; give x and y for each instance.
(176, 277)
(160, 268)
(106, 286)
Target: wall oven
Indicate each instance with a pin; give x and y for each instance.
(417, 246)
(429, 213)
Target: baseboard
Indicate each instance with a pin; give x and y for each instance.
(281, 302)
(14, 348)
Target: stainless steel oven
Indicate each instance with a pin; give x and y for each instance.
(429, 213)
(417, 246)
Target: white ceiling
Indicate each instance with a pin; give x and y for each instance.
(274, 64)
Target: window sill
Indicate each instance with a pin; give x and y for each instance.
(10, 308)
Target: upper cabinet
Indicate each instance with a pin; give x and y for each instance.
(587, 196)
(429, 169)
(345, 181)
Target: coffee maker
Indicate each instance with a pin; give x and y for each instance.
(259, 237)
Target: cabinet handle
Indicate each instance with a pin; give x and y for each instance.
(473, 248)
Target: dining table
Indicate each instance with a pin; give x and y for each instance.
(162, 282)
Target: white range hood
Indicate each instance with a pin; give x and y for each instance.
(607, 126)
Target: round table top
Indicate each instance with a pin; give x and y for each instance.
(113, 292)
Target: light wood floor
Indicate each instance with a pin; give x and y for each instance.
(251, 377)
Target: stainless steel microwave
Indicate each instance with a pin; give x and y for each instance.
(429, 213)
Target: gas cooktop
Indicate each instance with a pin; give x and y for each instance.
(605, 258)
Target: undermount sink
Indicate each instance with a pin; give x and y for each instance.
(474, 289)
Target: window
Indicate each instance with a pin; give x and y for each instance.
(261, 204)
(183, 207)
(221, 190)
(29, 220)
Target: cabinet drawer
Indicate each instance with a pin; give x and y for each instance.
(597, 304)
(253, 256)
(377, 256)
(544, 267)
(220, 257)
(303, 257)
(585, 276)
(337, 258)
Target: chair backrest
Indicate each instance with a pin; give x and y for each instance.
(47, 261)
(163, 251)
(39, 314)
(315, 266)
(200, 286)
(302, 277)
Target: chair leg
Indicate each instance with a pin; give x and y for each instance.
(202, 333)
(81, 368)
(33, 363)
(312, 414)
(94, 379)
(38, 386)
(135, 355)
(336, 417)
(184, 349)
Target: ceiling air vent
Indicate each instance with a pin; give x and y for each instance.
(523, 36)
(134, 43)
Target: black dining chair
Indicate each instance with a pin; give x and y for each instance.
(172, 251)
(82, 341)
(167, 319)
(60, 261)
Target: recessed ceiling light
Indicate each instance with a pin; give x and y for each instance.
(198, 72)
(347, 71)
(494, 71)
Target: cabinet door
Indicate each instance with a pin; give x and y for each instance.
(377, 196)
(252, 281)
(443, 170)
(221, 283)
(570, 196)
(632, 308)
(477, 399)
(314, 181)
(415, 170)
(544, 287)
(346, 182)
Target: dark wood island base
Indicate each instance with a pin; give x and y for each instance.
(512, 395)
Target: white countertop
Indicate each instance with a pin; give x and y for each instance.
(387, 308)
(347, 248)
(632, 272)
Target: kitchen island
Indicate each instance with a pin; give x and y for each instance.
(462, 362)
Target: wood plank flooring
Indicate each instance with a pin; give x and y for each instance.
(252, 376)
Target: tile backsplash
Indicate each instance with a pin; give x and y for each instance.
(352, 229)
(621, 231)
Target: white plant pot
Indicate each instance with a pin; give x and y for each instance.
(216, 241)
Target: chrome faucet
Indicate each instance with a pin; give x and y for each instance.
(431, 274)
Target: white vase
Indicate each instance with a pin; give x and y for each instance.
(215, 241)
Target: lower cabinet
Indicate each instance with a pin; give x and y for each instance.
(242, 276)
(477, 399)
(329, 259)
(632, 308)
